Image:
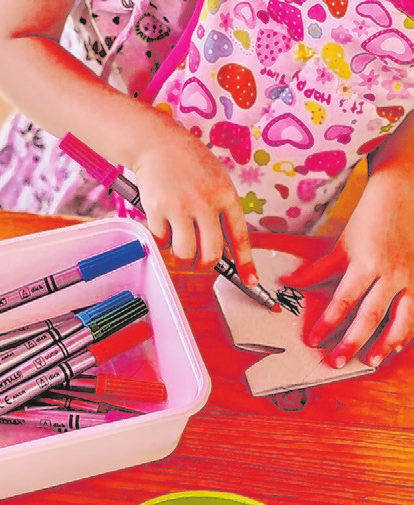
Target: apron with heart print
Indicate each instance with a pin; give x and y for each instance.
(289, 95)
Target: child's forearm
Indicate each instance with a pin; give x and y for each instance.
(60, 94)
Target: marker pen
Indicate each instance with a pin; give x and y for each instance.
(110, 177)
(227, 268)
(95, 355)
(74, 403)
(60, 421)
(98, 329)
(86, 270)
(118, 386)
(103, 171)
(17, 335)
(38, 343)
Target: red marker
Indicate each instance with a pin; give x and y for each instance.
(99, 329)
(95, 355)
(123, 387)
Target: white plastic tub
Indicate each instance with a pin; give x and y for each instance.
(32, 459)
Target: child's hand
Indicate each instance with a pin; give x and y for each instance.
(190, 201)
(185, 190)
(375, 255)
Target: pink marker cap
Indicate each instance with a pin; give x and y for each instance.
(96, 166)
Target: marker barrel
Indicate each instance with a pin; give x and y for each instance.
(70, 402)
(86, 315)
(127, 190)
(42, 287)
(100, 169)
(52, 377)
(45, 359)
(99, 329)
(15, 336)
(86, 270)
(22, 352)
(227, 268)
(55, 420)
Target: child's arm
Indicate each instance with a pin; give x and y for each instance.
(185, 191)
(375, 254)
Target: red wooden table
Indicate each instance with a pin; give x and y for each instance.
(352, 443)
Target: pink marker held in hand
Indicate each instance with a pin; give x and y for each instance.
(108, 175)
(101, 170)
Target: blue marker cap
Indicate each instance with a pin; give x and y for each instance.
(111, 260)
(98, 310)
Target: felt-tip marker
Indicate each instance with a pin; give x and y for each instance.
(86, 270)
(54, 335)
(99, 329)
(148, 391)
(108, 175)
(69, 402)
(227, 268)
(60, 421)
(85, 314)
(95, 355)
(17, 335)
(103, 171)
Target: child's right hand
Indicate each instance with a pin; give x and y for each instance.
(185, 191)
(190, 201)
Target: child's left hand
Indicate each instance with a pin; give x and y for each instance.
(375, 257)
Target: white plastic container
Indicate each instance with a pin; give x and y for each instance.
(32, 459)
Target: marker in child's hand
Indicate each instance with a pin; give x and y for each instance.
(108, 175)
(101, 170)
(227, 268)
(86, 270)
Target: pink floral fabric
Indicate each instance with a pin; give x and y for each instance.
(288, 94)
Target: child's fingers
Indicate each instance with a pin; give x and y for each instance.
(184, 240)
(237, 237)
(210, 240)
(398, 332)
(350, 290)
(369, 316)
(309, 274)
(160, 230)
(316, 302)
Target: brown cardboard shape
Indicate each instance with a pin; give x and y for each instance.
(293, 364)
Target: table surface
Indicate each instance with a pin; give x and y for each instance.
(352, 443)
